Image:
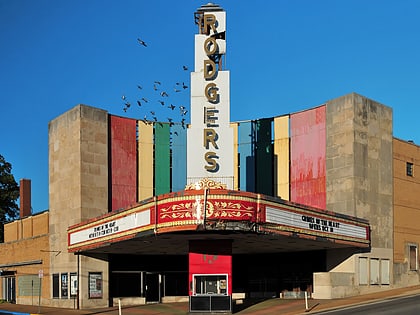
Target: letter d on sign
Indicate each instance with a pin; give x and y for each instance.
(209, 69)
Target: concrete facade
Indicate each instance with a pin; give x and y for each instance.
(78, 184)
(359, 155)
(359, 183)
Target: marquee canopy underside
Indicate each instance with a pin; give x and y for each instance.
(242, 243)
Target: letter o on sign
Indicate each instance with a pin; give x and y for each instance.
(210, 46)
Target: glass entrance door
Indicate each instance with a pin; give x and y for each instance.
(10, 288)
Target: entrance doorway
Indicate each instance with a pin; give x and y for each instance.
(9, 289)
(153, 287)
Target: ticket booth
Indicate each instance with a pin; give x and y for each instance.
(210, 276)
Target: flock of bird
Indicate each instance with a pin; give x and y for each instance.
(150, 108)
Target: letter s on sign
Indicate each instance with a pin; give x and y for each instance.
(210, 158)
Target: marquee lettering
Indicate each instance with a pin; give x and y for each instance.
(320, 224)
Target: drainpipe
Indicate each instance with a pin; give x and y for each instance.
(78, 281)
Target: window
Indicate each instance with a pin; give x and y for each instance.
(210, 284)
(29, 285)
(56, 285)
(409, 169)
(412, 255)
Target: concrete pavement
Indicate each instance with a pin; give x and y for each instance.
(268, 307)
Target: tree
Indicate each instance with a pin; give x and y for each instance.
(9, 193)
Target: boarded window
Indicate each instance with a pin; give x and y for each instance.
(363, 271)
(374, 271)
(385, 271)
(29, 285)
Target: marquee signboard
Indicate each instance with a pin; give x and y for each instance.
(116, 226)
(315, 224)
(220, 209)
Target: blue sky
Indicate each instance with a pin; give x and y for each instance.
(283, 56)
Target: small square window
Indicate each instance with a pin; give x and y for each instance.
(410, 167)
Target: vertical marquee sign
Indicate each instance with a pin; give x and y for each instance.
(210, 137)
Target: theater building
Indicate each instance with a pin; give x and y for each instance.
(322, 200)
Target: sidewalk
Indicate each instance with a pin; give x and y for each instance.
(268, 307)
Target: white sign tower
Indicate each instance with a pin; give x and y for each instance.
(210, 137)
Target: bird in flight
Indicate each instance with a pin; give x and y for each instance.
(185, 68)
(141, 42)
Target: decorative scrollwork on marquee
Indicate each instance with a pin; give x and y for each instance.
(205, 183)
(214, 210)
